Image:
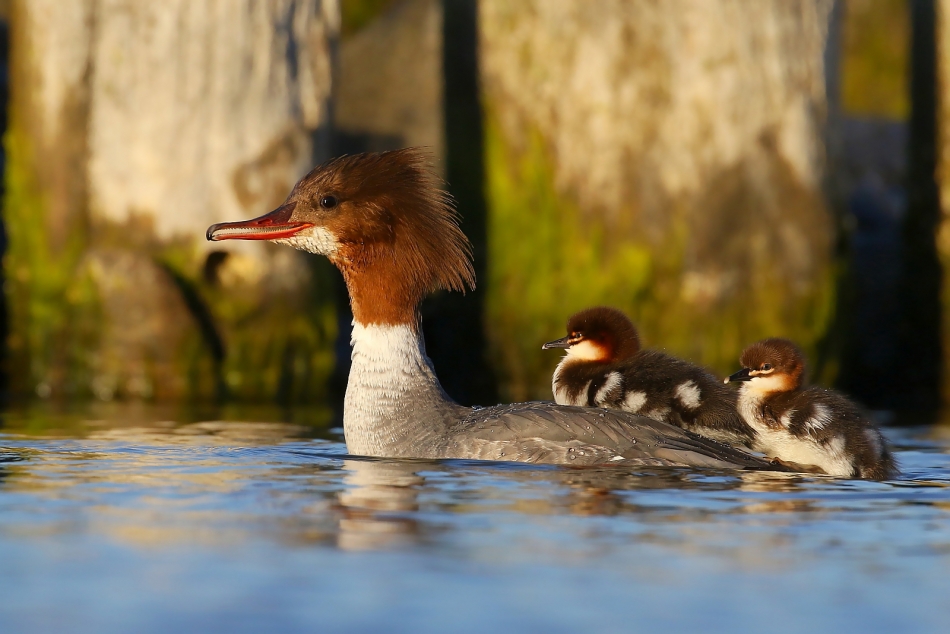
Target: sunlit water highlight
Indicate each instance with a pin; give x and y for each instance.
(165, 527)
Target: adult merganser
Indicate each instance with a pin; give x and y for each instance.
(807, 426)
(386, 225)
(605, 367)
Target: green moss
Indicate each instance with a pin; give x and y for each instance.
(53, 309)
(547, 260)
(263, 345)
(875, 58)
(356, 14)
(243, 341)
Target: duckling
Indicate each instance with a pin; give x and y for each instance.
(806, 425)
(605, 367)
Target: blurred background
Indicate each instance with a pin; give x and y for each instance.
(723, 171)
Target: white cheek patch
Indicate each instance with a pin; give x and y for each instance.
(768, 384)
(611, 387)
(634, 401)
(313, 240)
(688, 394)
(586, 351)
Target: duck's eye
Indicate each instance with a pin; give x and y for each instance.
(328, 202)
(766, 366)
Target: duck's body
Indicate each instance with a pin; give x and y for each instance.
(808, 426)
(395, 407)
(605, 367)
(393, 234)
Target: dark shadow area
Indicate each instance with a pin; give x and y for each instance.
(917, 375)
(887, 331)
(346, 142)
(874, 210)
(201, 313)
(453, 323)
(4, 313)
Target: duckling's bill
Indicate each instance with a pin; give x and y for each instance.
(563, 342)
(745, 374)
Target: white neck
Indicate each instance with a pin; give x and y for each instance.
(394, 403)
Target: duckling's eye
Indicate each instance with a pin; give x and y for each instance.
(766, 366)
(328, 202)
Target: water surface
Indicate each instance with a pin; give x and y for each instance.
(135, 524)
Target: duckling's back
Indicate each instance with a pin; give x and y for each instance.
(661, 387)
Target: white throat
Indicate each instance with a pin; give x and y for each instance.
(394, 404)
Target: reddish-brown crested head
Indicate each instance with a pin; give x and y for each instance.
(600, 334)
(779, 358)
(383, 220)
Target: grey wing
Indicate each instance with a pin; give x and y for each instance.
(543, 432)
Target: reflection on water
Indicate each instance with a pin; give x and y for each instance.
(377, 505)
(235, 521)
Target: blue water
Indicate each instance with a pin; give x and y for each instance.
(141, 525)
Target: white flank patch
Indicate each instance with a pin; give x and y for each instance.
(634, 401)
(818, 420)
(612, 385)
(688, 394)
(660, 414)
(786, 418)
(830, 458)
(581, 399)
(314, 240)
(616, 459)
(874, 439)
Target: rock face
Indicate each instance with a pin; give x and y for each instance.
(133, 127)
(665, 157)
(389, 91)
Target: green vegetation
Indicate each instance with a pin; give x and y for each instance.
(356, 14)
(116, 313)
(874, 58)
(547, 260)
(53, 309)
